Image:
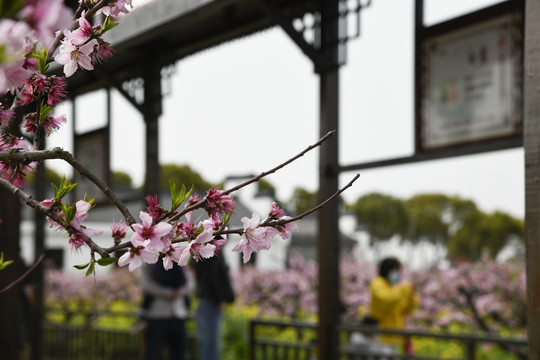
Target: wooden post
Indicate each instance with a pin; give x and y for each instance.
(152, 111)
(531, 143)
(10, 304)
(328, 229)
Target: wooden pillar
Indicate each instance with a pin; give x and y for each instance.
(152, 111)
(328, 231)
(36, 321)
(531, 143)
(10, 304)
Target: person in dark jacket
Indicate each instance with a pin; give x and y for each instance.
(164, 310)
(213, 290)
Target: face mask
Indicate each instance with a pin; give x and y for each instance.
(394, 277)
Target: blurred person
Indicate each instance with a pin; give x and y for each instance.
(213, 290)
(391, 301)
(164, 310)
(366, 343)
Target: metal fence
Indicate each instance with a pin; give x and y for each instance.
(297, 341)
(64, 341)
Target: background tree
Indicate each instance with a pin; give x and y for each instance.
(121, 179)
(489, 233)
(303, 200)
(266, 186)
(182, 174)
(382, 215)
(430, 218)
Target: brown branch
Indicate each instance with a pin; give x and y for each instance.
(306, 213)
(26, 273)
(58, 153)
(47, 211)
(271, 171)
(256, 178)
(275, 223)
(27, 199)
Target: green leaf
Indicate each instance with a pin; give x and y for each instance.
(107, 25)
(4, 264)
(189, 192)
(90, 201)
(55, 190)
(107, 261)
(175, 196)
(82, 266)
(66, 209)
(64, 189)
(41, 56)
(226, 218)
(91, 269)
(44, 112)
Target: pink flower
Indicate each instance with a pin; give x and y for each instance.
(220, 240)
(153, 208)
(51, 88)
(254, 238)
(153, 233)
(282, 230)
(80, 215)
(193, 199)
(72, 56)
(17, 42)
(52, 224)
(218, 204)
(139, 253)
(276, 212)
(200, 247)
(117, 7)
(118, 231)
(103, 51)
(51, 124)
(76, 240)
(83, 33)
(172, 255)
(12, 171)
(46, 17)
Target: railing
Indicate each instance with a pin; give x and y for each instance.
(297, 341)
(91, 341)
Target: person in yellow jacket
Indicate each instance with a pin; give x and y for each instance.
(391, 300)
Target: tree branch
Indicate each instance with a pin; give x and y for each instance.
(271, 171)
(23, 275)
(254, 179)
(58, 153)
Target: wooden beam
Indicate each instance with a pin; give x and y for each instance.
(531, 143)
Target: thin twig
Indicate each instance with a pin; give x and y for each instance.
(271, 171)
(306, 213)
(59, 153)
(47, 211)
(201, 203)
(23, 275)
(298, 217)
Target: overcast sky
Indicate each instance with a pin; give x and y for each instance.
(248, 105)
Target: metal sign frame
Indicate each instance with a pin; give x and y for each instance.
(451, 34)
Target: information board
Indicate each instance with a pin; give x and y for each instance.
(471, 84)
